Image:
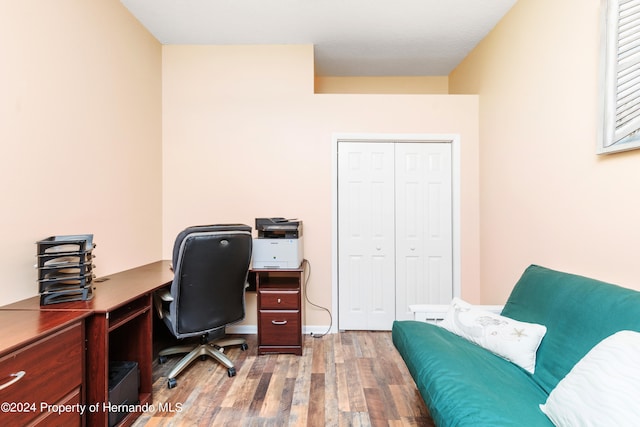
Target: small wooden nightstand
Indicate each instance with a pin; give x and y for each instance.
(279, 310)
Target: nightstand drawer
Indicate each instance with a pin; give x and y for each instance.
(280, 300)
(279, 328)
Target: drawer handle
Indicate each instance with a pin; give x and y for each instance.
(279, 300)
(17, 376)
(279, 322)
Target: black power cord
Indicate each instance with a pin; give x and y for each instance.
(306, 266)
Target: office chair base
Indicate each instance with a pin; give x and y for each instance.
(213, 349)
(226, 342)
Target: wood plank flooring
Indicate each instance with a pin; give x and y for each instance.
(354, 378)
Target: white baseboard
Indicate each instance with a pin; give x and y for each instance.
(242, 329)
(316, 330)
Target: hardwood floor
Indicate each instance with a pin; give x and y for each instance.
(347, 379)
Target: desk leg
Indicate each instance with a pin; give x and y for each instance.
(145, 355)
(133, 341)
(97, 340)
(122, 335)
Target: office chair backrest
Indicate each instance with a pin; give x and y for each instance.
(210, 265)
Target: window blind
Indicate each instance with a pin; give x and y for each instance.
(622, 75)
(628, 73)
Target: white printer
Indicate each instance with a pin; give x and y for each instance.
(279, 243)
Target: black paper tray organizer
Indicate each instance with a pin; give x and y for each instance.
(66, 244)
(76, 294)
(72, 259)
(64, 281)
(65, 268)
(65, 273)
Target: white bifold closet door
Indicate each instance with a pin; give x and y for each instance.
(394, 230)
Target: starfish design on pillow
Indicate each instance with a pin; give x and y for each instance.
(519, 333)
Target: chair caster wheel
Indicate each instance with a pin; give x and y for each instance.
(171, 383)
(231, 372)
(162, 359)
(244, 347)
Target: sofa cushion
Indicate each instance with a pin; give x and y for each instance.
(514, 340)
(578, 312)
(602, 389)
(463, 384)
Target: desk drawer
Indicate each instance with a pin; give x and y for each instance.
(53, 368)
(279, 328)
(67, 418)
(279, 300)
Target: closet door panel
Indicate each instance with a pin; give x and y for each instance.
(423, 225)
(366, 247)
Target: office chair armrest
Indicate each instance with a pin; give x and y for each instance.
(164, 294)
(159, 297)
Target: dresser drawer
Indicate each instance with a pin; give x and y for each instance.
(52, 367)
(279, 328)
(280, 300)
(72, 417)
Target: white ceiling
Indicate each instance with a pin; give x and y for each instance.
(351, 37)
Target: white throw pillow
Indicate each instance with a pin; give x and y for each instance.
(513, 340)
(603, 388)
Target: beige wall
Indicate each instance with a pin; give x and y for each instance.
(546, 197)
(244, 136)
(80, 135)
(384, 84)
(83, 114)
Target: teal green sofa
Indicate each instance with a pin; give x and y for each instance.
(463, 384)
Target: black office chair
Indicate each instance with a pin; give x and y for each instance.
(210, 264)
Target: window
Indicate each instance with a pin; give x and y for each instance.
(620, 85)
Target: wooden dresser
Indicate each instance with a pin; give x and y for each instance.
(279, 310)
(42, 362)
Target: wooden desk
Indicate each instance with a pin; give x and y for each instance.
(118, 328)
(31, 344)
